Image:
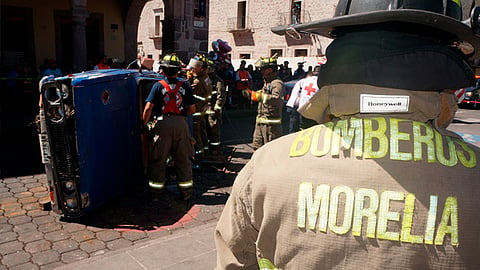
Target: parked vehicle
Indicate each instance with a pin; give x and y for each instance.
(90, 136)
(471, 96)
(288, 88)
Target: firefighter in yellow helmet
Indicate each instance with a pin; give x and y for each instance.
(167, 105)
(379, 183)
(268, 123)
(202, 91)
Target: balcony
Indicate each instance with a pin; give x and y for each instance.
(239, 24)
(288, 18)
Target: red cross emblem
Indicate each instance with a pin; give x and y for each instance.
(310, 89)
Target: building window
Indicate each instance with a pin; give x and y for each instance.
(245, 56)
(277, 52)
(296, 12)
(241, 14)
(158, 26)
(200, 10)
(301, 52)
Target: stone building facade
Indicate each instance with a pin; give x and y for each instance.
(179, 26)
(246, 24)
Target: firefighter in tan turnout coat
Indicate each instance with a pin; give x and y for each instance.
(268, 123)
(379, 183)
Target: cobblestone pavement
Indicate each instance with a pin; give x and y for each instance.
(34, 238)
(31, 238)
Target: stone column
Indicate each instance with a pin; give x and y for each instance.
(79, 16)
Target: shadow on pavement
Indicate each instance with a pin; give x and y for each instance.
(147, 211)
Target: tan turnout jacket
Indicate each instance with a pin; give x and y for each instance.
(365, 191)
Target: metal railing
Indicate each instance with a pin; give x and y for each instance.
(289, 18)
(239, 24)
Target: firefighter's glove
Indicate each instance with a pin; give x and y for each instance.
(247, 93)
(257, 96)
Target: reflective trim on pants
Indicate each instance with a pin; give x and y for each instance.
(185, 184)
(156, 185)
(268, 121)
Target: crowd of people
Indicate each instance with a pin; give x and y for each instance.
(202, 89)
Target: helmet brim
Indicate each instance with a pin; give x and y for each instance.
(325, 27)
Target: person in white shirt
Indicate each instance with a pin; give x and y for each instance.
(303, 90)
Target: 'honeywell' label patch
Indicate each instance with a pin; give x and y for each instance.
(383, 103)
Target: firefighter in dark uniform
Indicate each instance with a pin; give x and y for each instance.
(379, 183)
(168, 104)
(214, 111)
(268, 123)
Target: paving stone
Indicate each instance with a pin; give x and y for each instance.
(73, 227)
(42, 194)
(4, 227)
(24, 177)
(20, 220)
(20, 192)
(92, 245)
(32, 236)
(38, 246)
(5, 194)
(43, 220)
(46, 257)
(57, 236)
(49, 227)
(11, 203)
(19, 257)
(29, 199)
(10, 180)
(23, 228)
(72, 256)
(14, 185)
(33, 185)
(31, 206)
(7, 237)
(96, 229)
(52, 266)
(108, 235)
(118, 244)
(23, 193)
(26, 266)
(37, 213)
(14, 212)
(29, 180)
(3, 218)
(65, 245)
(83, 235)
(11, 247)
(38, 189)
(134, 235)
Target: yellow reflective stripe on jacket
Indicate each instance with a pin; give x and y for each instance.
(217, 107)
(199, 97)
(209, 112)
(185, 184)
(268, 121)
(265, 264)
(198, 114)
(265, 98)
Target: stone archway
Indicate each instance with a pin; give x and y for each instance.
(131, 28)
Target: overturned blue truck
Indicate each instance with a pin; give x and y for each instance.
(90, 136)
